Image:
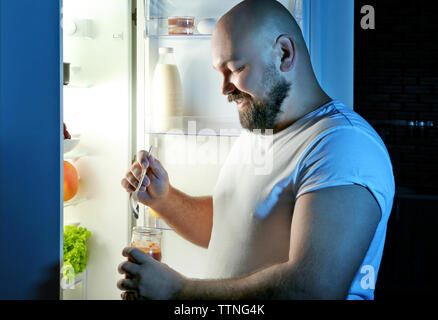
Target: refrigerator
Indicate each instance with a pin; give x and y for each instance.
(112, 47)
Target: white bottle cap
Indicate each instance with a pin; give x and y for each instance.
(165, 50)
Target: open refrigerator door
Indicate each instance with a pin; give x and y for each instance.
(97, 109)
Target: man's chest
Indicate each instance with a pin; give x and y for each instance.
(250, 198)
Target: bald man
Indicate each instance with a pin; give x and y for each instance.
(313, 225)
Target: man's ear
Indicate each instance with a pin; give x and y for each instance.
(286, 45)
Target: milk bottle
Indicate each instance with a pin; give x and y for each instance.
(166, 92)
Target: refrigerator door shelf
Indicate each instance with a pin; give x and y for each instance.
(74, 202)
(70, 144)
(78, 85)
(78, 279)
(74, 155)
(77, 290)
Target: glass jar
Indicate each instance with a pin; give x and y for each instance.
(181, 25)
(147, 240)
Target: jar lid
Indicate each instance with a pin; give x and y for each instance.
(165, 50)
(149, 231)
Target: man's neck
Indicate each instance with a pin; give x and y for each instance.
(300, 109)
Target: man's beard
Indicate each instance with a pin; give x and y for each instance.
(262, 113)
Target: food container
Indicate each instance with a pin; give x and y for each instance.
(181, 25)
(147, 240)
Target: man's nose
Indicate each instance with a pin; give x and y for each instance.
(227, 87)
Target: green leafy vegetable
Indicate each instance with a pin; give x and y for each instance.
(75, 251)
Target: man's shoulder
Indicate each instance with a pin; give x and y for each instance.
(336, 122)
(343, 146)
(339, 116)
(332, 122)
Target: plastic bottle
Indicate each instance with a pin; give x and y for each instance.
(166, 91)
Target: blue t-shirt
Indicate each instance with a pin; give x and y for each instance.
(263, 176)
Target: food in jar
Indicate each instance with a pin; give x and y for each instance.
(181, 25)
(152, 249)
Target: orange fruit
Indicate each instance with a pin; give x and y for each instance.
(71, 181)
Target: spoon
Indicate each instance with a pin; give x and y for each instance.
(133, 197)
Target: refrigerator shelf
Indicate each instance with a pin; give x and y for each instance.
(74, 155)
(181, 37)
(206, 126)
(74, 202)
(201, 134)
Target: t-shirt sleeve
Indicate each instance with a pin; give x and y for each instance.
(348, 156)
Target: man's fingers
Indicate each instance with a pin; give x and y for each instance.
(151, 176)
(127, 186)
(134, 175)
(128, 267)
(134, 181)
(132, 186)
(156, 167)
(127, 284)
(128, 295)
(143, 158)
(135, 254)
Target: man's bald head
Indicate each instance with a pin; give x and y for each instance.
(260, 20)
(259, 49)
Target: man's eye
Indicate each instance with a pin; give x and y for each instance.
(239, 69)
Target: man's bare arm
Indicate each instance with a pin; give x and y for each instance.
(190, 217)
(331, 231)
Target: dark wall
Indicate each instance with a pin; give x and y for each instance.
(396, 85)
(408, 268)
(396, 90)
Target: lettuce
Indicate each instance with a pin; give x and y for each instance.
(75, 251)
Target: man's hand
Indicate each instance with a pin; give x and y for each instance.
(148, 278)
(190, 217)
(155, 185)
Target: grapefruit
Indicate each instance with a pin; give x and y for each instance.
(71, 181)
